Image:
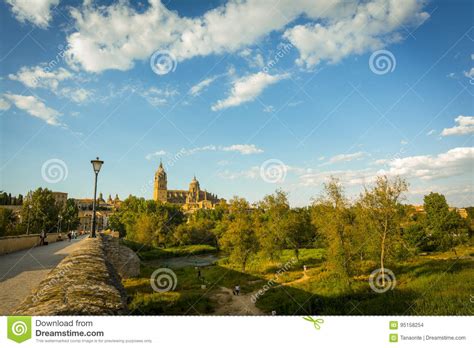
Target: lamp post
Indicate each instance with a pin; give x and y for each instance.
(28, 218)
(59, 223)
(96, 165)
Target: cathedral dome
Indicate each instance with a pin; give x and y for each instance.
(194, 185)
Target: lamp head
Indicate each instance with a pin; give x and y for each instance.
(96, 165)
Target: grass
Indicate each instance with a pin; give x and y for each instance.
(186, 250)
(434, 284)
(149, 253)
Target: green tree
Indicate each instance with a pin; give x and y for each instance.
(330, 216)
(384, 213)
(41, 210)
(240, 239)
(70, 215)
(8, 221)
(270, 219)
(299, 230)
(445, 228)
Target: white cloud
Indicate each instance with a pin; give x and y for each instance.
(465, 125)
(269, 108)
(244, 149)
(103, 41)
(4, 104)
(252, 173)
(157, 96)
(453, 162)
(469, 74)
(37, 12)
(42, 77)
(371, 26)
(347, 177)
(199, 149)
(451, 75)
(295, 103)
(155, 154)
(431, 132)
(247, 89)
(39, 76)
(347, 157)
(77, 95)
(199, 87)
(254, 59)
(35, 107)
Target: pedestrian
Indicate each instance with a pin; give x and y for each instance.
(237, 290)
(199, 273)
(69, 235)
(42, 237)
(304, 269)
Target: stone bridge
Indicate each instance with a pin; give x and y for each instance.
(87, 281)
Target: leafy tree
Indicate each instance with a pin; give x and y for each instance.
(299, 229)
(195, 232)
(41, 210)
(7, 221)
(147, 221)
(330, 216)
(273, 211)
(240, 239)
(384, 213)
(445, 229)
(70, 215)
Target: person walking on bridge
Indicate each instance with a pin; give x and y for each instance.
(42, 237)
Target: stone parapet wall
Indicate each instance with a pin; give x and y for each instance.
(124, 260)
(10, 244)
(84, 283)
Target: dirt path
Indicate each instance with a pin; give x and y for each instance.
(299, 280)
(230, 304)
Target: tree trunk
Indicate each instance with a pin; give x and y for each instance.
(382, 256)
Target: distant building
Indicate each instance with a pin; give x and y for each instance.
(103, 210)
(60, 198)
(191, 199)
(420, 209)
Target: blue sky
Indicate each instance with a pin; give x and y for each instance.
(248, 96)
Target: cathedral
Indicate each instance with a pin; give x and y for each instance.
(191, 199)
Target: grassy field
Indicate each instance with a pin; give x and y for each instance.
(148, 253)
(433, 284)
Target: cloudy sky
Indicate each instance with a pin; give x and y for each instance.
(249, 96)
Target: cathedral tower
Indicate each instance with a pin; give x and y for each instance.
(160, 190)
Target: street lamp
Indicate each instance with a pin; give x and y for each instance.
(28, 218)
(59, 223)
(96, 165)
